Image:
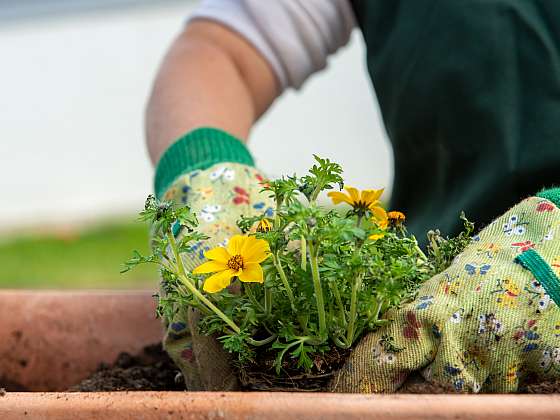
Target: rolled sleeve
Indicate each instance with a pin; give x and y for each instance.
(294, 36)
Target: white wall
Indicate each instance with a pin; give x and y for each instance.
(72, 93)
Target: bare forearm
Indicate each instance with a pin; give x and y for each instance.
(210, 77)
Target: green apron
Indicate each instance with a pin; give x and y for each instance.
(469, 91)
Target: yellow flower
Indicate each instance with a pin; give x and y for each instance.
(381, 220)
(241, 258)
(396, 217)
(264, 226)
(360, 201)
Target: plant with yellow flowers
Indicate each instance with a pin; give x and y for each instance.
(310, 279)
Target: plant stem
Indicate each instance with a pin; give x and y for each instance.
(353, 307)
(315, 194)
(340, 342)
(192, 287)
(277, 214)
(375, 315)
(259, 343)
(267, 301)
(284, 279)
(249, 291)
(313, 253)
(303, 250)
(359, 222)
(336, 292)
(419, 250)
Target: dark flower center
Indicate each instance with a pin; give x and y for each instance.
(235, 262)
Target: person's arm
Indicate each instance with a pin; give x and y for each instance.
(213, 77)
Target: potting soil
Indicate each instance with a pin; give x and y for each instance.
(153, 370)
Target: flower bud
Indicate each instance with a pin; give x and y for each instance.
(264, 226)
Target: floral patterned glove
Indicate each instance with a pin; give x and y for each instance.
(488, 321)
(212, 173)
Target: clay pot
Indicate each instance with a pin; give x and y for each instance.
(274, 406)
(50, 340)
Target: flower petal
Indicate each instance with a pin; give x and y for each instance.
(235, 244)
(354, 194)
(218, 281)
(376, 236)
(369, 197)
(338, 197)
(252, 273)
(210, 267)
(256, 251)
(219, 254)
(379, 213)
(378, 193)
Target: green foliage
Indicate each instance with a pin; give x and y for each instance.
(441, 251)
(326, 283)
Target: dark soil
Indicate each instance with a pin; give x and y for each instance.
(153, 370)
(261, 375)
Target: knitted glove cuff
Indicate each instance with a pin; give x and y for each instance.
(551, 194)
(198, 149)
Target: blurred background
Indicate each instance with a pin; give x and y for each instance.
(74, 171)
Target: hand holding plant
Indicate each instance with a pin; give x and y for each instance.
(311, 278)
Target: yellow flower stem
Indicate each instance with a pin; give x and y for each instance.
(303, 250)
(359, 222)
(187, 282)
(313, 251)
(353, 307)
(284, 279)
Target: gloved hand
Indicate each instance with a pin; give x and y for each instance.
(218, 194)
(483, 324)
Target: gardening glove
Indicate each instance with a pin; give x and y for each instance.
(488, 321)
(213, 174)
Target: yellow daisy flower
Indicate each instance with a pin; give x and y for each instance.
(359, 200)
(241, 258)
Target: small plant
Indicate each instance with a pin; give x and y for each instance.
(311, 279)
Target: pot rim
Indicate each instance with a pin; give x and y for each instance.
(269, 405)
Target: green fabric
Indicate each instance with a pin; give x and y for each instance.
(218, 195)
(542, 272)
(551, 194)
(484, 324)
(198, 149)
(468, 91)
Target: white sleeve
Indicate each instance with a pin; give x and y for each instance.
(294, 36)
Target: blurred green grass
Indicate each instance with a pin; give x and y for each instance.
(91, 257)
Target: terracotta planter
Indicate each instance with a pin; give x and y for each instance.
(49, 340)
(281, 406)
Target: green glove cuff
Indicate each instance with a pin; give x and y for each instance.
(551, 194)
(198, 149)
